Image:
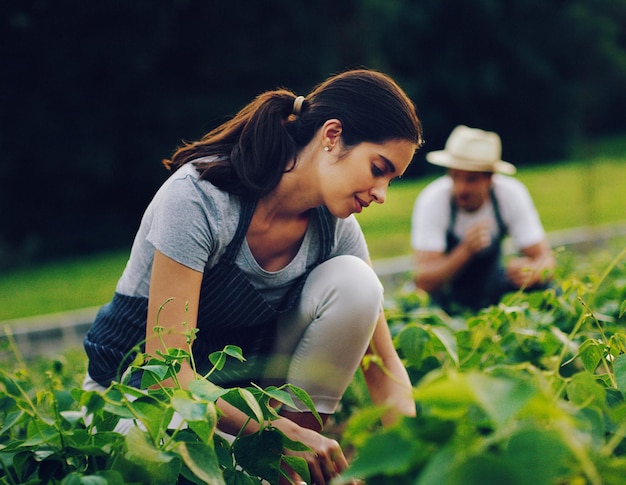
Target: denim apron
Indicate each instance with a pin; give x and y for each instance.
(482, 282)
(231, 312)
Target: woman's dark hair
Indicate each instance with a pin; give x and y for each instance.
(253, 150)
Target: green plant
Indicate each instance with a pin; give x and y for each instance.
(532, 391)
(50, 435)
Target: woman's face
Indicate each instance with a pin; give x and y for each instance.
(361, 175)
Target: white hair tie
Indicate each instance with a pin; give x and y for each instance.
(297, 105)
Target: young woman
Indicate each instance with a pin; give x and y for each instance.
(252, 240)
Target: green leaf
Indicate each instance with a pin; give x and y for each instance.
(431, 429)
(411, 342)
(190, 409)
(536, 456)
(173, 356)
(298, 465)
(235, 352)
(233, 477)
(157, 371)
(202, 461)
(12, 419)
(244, 400)
(40, 432)
(106, 477)
(387, 453)
(591, 422)
(72, 417)
(619, 367)
(447, 339)
(260, 453)
(91, 400)
(446, 396)
(207, 390)
(450, 467)
(501, 398)
(200, 416)
(360, 424)
(154, 415)
(591, 352)
(302, 395)
(283, 397)
(23, 463)
(584, 390)
(292, 445)
(116, 403)
(218, 359)
(163, 467)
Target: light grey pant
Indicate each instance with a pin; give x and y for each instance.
(321, 341)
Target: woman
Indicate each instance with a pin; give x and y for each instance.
(252, 240)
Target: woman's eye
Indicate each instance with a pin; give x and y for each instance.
(376, 171)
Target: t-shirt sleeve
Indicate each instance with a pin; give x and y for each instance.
(350, 239)
(180, 228)
(430, 219)
(520, 214)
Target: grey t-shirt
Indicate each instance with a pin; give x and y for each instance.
(192, 222)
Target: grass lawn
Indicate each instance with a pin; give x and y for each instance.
(65, 285)
(566, 195)
(587, 191)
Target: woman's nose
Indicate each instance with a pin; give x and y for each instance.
(379, 192)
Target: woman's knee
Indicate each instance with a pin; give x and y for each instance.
(351, 283)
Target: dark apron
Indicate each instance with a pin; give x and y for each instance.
(231, 312)
(482, 282)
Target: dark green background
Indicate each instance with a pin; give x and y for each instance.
(93, 95)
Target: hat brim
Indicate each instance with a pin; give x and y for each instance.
(444, 159)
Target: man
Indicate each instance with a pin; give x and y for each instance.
(460, 220)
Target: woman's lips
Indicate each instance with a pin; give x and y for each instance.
(360, 205)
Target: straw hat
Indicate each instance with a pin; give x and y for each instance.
(473, 150)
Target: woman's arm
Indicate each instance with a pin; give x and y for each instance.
(387, 379)
(174, 297)
(181, 285)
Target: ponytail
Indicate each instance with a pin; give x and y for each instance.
(253, 150)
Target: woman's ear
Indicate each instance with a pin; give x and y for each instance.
(331, 133)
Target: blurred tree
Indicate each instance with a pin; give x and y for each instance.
(98, 94)
(94, 95)
(542, 74)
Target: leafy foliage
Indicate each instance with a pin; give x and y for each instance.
(531, 391)
(127, 435)
(125, 82)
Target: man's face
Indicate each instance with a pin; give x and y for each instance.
(470, 189)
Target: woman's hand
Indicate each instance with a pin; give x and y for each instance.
(326, 459)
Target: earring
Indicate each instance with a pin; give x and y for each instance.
(326, 149)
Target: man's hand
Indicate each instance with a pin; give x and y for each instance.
(536, 265)
(522, 272)
(478, 237)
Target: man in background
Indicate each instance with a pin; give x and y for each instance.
(460, 220)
